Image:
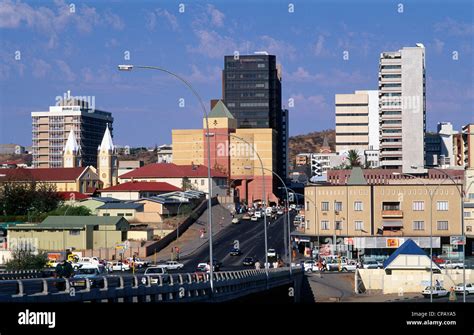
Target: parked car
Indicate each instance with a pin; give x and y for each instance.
(310, 266)
(235, 252)
(246, 217)
(459, 288)
(350, 266)
(155, 272)
(436, 291)
(451, 264)
(235, 221)
(52, 263)
(171, 265)
(88, 272)
(280, 212)
(118, 266)
(254, 218)
(271, 253)
(372, 265)
(248, 261)
(258, 214)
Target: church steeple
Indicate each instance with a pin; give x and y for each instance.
(72, 151)
(107, 160)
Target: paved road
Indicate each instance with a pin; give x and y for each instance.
(250, 237)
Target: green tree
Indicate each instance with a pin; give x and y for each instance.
(71, 210)
(353, 158)
(25, 259)
(187, 184)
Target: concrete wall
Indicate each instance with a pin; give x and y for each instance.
(52, 239)
(413, 281)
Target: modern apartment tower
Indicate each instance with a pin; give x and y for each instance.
(357, 121)
(402, 108)
(51, 131)
(252, 92)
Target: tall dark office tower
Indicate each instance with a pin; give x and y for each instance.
(252, 93)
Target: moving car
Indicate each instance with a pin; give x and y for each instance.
(235, 252)
(254, 218)
(271, 253)
(310, 266)
(171, 265)
(350, 266)
(280, 212)
(248, 261)
(118, 266)
(258, 214)
(139, 263)
(436, 291)
(88, 272)
(459, 288)
(155, 272)
(246, 217)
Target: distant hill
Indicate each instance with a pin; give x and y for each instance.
(311, 142)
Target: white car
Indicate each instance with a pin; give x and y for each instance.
(280, 212)
(459, 288)
(310, 266)
(436, 291)
(235, 221)
(271, 253)
(118, 266)
(451, 265)
(254, 218)
(258, 214)
(348, 267)
(154, 272)
(172, 265)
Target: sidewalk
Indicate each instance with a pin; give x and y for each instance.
(191, 240)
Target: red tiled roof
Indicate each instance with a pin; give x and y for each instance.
(73, 195)
(142, 186)
(42, 174)
(170, 170)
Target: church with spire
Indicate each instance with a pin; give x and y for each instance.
(72, 152)
(107, 165)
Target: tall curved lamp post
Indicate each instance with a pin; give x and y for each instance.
(209, 179)
(264, 193)
(287, 215)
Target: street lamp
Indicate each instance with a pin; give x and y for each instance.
(287, 214)
(263, 190)
(462, 219)
(129, 67)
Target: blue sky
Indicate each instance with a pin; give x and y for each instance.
(61, 50)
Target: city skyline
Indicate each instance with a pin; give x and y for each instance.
(60, 50)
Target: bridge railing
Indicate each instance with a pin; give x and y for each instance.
(168, 287)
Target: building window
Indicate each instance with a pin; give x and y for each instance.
(128, 214)
(358, 206)
(74, 232)
(120, 214)
(359, 225)
(442, 225)
(324, 225)
(418, 205)
(338, 225)
(391, 206)
(418, 225)
(442, 206)
(471, 196)
(106, 214)
(325, 206)
(202, 182)
(467, 214)
(338, 206)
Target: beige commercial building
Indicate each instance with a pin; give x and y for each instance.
(381, 217)
(58, 233)
(234, 152)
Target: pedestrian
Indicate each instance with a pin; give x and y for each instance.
(452, 294)
(438, 284)
(257, 265)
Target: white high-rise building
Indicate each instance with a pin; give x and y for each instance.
(357, 121)
(402, 108)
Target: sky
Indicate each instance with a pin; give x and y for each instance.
(49, 47)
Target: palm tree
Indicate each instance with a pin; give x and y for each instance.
(353, 158)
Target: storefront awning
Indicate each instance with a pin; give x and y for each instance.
(391, 224)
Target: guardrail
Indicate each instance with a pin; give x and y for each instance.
(189, 287)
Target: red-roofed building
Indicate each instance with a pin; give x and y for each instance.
(135, 190)
(181, 176)
(78, 179)
(73, 196)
